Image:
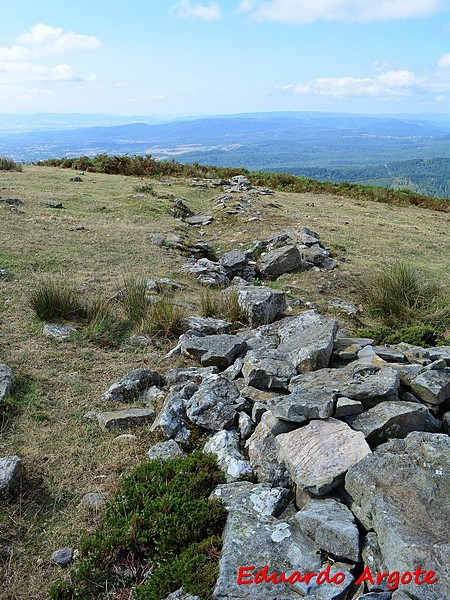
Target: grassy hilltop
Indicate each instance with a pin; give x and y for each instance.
(65, 454)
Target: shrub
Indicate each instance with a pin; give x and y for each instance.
(145, 188)
(420, 335)
(7, 164)
(56, 300)
(160, 533)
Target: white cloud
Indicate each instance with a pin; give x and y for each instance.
(444, 61)
(308, 11)
(184, 9)
(44, 39)
(386, 85)
(15, 71)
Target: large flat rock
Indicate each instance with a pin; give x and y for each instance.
(261, 305)
(216, 350)
(308, 340)
(10, 472)
(6, 381)
(402, 492)
(319, 454)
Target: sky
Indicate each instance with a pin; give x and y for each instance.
(167, 58)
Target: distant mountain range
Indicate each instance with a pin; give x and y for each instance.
(401, 151)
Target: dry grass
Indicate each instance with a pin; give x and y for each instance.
(65, 455)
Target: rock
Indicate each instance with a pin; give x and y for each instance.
(75, 179)
(377, 596)
(372, 558)
(307, 340)
(165, 450)
(52, 204)
(129, 417)
(309, 237)
(225, 445)
(319, 454)
(432, 386)
(328, 591)
(245, 425)
(263, 453)
(181, 595)
(208, 272)
(261, 305)
(371, 386)
(11, 201)
(347, 406)
(234, 370)
(7, 380)
(132, 384)
(258, 409)
(180, 210)
(277, 262)
(10, 473)
(368, 358)
(348, 348)
(439, 353)
(207, 325)
(3, 272)
(215, 403)
(300, 406)
(332, 526)
(389, 354)
(254, 536)
(267, 370)
(95, 500)
(410, 519)
(216, 350)
(389, 420)
(314, 255)
(235, 263)
(172, 418)
(346, 307)
(63, 557)
(59, 332)
(446, 422)
(192, 374)
(199, 220)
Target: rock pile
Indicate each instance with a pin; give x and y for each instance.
(355, 431)
(265, 259)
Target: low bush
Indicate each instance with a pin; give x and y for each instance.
(159, 534)
(7, 164)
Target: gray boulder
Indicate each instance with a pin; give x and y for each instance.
(332, 526)
(318, 455)
(215, 350)
(432, 386)
(214, 404)
(189, 374)
(181, 595)
(7, 380)
(129, 417)
(132, 384)
(371, 386)
(301, 405)
(309, 237)
(389, 420)
(307, 340)
(225, 445)
(207, 325)
(347, 406)
(10, 473)
(373, 559)
(401, 492)
(63, 557)
(172, 418)
(57, 331)
(208, 273)
(254, 536)
(165, 450)
(277, 262)
(267, 370)
(261, 305)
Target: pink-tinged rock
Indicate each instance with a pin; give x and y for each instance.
(319, 454)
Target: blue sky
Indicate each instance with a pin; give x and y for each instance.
(202, 57)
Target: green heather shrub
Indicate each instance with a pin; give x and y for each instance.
(7, 164)
(420, 335)
(406, 301)
(159, 534)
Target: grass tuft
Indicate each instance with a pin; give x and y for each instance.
(400, 296)
(55, 300)
(166, 318)
(223, 305)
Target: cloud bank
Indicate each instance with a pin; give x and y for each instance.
(307, 11)
(184, 9)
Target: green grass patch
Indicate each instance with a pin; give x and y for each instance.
(159, 534)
